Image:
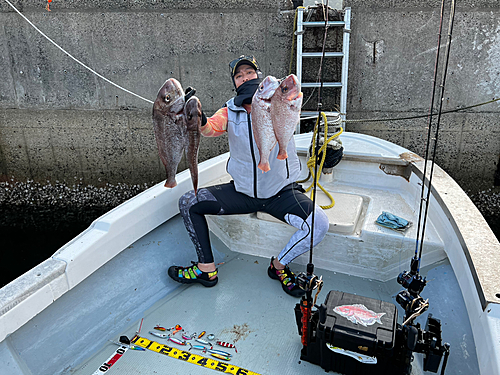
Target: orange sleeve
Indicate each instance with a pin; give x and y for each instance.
(216, 125)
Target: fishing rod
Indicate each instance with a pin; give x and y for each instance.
(309, 281)
(410, 299)
(413, 278)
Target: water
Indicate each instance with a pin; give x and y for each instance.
(24, 248)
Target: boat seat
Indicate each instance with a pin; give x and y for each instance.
(343, 216)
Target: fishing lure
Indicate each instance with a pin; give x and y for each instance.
(48, 5)
(220, 356)
(203, 342)
(160, 335)
(227, 345)
(198, 347)
(201, 334)
(185, 337)
(160, 328)
(219, 352)
(177, 341)
(176, 329)
(131, 347)
(211, 336)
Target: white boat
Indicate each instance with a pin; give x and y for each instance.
(58, 317)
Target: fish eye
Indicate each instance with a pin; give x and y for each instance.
(284, 89)
(167, 98)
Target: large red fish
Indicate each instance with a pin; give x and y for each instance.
(285, 112)
(262, 125)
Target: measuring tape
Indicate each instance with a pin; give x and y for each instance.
(191, 358)
(111, 360)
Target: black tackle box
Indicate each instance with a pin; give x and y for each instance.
(350, 325)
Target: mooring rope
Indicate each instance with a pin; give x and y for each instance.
(74, 58)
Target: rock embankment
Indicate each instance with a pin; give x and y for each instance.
(56, 205)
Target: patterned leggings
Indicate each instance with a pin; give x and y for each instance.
(289, 205)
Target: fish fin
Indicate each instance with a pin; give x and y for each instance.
(264, 167)
(282, 155)
(170, 184)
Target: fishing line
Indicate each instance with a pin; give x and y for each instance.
(416, 116)
(319, 107)
(74, 58)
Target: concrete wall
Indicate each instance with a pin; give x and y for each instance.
(60, 121)
(393, 51)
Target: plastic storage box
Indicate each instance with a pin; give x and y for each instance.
(352, 335)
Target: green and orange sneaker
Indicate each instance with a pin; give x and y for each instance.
(287, 279)
(192, 274)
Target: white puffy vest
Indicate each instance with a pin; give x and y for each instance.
(244, 158)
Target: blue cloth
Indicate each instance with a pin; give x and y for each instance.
(392, 221)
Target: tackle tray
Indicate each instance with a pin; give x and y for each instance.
(347, 325)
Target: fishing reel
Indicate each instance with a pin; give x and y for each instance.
(410, 299)
(411, 280)
(411, 338)
(308, 281)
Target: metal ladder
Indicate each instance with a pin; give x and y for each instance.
(346, 24)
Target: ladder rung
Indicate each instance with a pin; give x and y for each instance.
(320, 54)
(322, 23)
(325, 84)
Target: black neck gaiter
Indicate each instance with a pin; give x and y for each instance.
(245, 92)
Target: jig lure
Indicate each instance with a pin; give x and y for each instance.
(160, 335)
(177, 341)
(220, 357)
(203, 342)
(198, 347)
(227, 345)
(185, 337)
(131, 347)
(160, 328)
(219, 352)
(201, 334)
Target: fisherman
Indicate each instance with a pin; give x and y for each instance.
(251, 190)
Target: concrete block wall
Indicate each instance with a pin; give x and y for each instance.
(60, 121)
(392, 59)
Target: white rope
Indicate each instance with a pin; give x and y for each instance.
(78, 61)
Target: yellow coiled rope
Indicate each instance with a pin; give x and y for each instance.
(312, 160)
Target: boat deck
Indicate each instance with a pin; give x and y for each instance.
(249, 309)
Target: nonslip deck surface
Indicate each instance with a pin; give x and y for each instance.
(249, 309)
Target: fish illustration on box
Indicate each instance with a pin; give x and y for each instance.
(359, 314)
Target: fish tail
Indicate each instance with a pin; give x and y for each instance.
(282, 155)
(170, 184)
(264, 167)
(379, 317)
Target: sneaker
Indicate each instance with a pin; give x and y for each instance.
(192, 274)
(287, 278)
